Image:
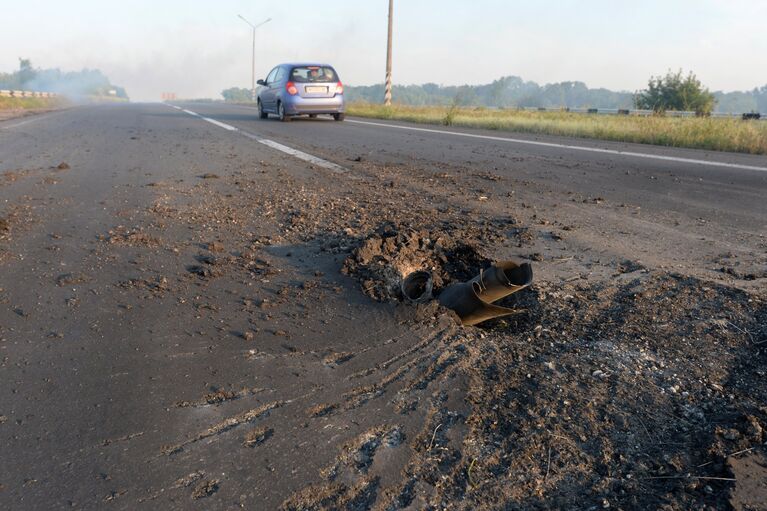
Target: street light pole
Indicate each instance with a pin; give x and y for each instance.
(253, 63)
(387, 93)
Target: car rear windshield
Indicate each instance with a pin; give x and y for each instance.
(308, 74)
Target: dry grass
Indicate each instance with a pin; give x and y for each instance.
(7, 103)
(715, 134)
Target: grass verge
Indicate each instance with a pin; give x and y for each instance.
(7, 103)
(715, 134)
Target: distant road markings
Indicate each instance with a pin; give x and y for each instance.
(572, 147)
(296, 153)
(212, 121)
(270, 143)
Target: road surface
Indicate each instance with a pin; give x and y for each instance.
(184, 325)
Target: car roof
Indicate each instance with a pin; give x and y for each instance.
(303, 64)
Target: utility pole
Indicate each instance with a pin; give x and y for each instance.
(387, 93)
(253, 63)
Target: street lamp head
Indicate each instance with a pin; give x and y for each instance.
(245, 20)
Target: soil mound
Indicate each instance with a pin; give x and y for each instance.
(393, 251)
(601, 394)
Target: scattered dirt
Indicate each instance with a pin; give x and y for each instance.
(17, 218)
(223, 426)
(189, 479)
(598, 391)
(626, 391)
(214, 246)
(390, 254)
(205, 489)
(258, 436)
(68, 279)
(621, 384)
(132, 237)
(219, 396)
(750, 471)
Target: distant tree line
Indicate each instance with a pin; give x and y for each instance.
(742, 102)
(514, 92)
(236, 95)
(506, 92)
(88, 82)
(671, 92)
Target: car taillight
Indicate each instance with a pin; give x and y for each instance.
(291, 88)
(339, 88)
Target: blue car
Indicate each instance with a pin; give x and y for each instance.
(301, 89)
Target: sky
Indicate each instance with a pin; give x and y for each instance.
(197, 48)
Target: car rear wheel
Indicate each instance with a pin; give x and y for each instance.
(281, 112)
(339, 117)
(261, 113)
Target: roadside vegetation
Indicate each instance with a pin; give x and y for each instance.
(86, 83)
(692, 132)
(8, 103)
(515, 92)
(676, 92)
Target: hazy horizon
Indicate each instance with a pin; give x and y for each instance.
(197, 50)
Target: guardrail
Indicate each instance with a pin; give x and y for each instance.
(26, 94)
(647, 113)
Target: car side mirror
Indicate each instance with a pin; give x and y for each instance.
(261, 82)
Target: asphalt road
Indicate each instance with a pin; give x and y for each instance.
(108, 347)
(669, 212)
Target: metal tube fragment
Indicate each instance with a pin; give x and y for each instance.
(473, 300)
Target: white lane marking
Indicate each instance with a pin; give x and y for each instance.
(302, 155)
(572, 147)
(212, 121)
(271, 143)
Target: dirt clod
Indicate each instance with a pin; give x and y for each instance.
(392, 252)
(257, 436)
(205, 489)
